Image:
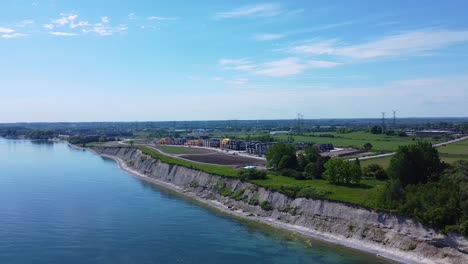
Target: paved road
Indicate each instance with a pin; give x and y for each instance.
(393, 153)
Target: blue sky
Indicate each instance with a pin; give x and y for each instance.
(204, 60)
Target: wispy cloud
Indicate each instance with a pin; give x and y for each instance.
(9, 33)
(80, 24)
(291, 66)
(260, 10)
(159, 18)
(279, 68)
(13, 35)
(64, 19)
(104, 30)
(6, 30)
(237, 81)
(242, 64)
(25, 23)
(275, 36)
(267, 37)
(407, 43)
(63, 34)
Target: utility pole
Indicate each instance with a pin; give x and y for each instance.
(394, 118)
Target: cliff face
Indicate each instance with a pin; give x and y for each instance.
(384, 233)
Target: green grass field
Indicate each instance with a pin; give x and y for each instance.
(363, 194)
(449, 153)
(380, 143)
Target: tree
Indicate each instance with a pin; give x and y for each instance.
(368, 146)
(287, 162)
(314, 170)
(376, 130)
(311, 154)
(375, 171)
(339, 171)
(281, 156)
(413, 164)
(402, 134)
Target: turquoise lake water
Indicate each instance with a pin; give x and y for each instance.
(63, 205)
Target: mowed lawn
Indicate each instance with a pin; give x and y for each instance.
(380, 143)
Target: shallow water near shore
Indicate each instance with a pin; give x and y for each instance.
(64, 205)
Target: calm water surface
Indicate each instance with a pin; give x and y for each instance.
(62, 205)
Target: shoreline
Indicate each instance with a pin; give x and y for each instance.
(379, 251)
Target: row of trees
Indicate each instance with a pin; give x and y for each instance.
(80, 140)
(310, 164)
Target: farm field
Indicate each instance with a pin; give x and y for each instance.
(449, 153)
(380, 143)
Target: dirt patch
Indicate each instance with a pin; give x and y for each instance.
(179, 150)
(225, 159)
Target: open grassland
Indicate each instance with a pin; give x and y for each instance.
(449, 153)
(364, 194)
(459, 148)
(182, 150)
(380, 143)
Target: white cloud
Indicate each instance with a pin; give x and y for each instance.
(267, 37)
(104, 30)
(158, 18)
(419, 82)
(105, 19)
(408, 43)
(80, 24)
(237, 81)
(260, 10)
(327, 47)
(6, 30)
(49, 26)
(279, 68)
(64, 20)
(282, 68)
(131, 16)
(63, 34)
(13, 35)
(25, 23)
(243, 64)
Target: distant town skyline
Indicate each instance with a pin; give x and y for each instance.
(221, 60)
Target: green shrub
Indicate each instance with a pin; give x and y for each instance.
(254, 200)
(375, 171)
(265, 205)
(252, 174)
(311, 192)
(238, 195)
